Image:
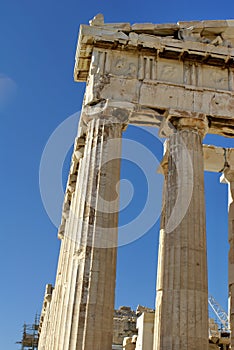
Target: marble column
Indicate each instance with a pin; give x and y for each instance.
(181, 319)
(161, 252)
(45, 317)
(229, 179)
(83, 299)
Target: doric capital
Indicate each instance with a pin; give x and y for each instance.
(228, 171)
(183, 120)
(228, 175)
(197, 124)
(109, 113)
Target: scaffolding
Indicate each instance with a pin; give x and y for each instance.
(30, 336)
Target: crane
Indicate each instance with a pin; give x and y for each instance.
(219, 312)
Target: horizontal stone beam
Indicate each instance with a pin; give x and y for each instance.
(164, 87)
(216, 159)
(166, 103)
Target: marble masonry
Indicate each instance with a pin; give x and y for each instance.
(178, 78)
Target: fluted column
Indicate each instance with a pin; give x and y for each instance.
(83, 299)
(161, 251)
(181, 320)
(45, 317)
(229, 179)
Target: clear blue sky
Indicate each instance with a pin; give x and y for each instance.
(38, 42)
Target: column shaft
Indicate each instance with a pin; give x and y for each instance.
(229, 176)
(83, 299)
(181, 320)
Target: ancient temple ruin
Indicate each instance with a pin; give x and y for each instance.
(178, 78)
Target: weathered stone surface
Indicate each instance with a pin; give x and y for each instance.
(83, 300)
(162, 86)
(214, 334)
(45, 317)
(183, 66)
(213, 347)
(180, 78)
(124, 324)
(145, 326)
(181, 317)
(129, 344)
(210, 39)
(229, 179)
(217, 159)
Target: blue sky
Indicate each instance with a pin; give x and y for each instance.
(37, 92)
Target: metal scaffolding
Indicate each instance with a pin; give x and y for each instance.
(30, 336)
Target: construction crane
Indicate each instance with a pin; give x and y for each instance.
(219, 312)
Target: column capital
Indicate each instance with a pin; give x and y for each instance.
(109, 113)
(177, 120)
(228, 175)
(228, 171)
(196, 124)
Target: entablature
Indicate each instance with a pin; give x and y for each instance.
(204, 42)
(186, 67)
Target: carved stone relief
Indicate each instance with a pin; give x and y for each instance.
(216, 78)
(124, 65)
(170, 71)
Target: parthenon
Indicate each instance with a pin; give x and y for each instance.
(178, 78)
